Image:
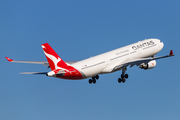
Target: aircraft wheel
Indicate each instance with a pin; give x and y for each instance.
(94, 81)
(122, 75)
(119, 80)
(123, 80)
(97, 77)
(126, 76)
(90, 81)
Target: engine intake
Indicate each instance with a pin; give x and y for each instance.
(149, 65)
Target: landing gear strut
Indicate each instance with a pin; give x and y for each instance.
(123, 76)
(93, 80)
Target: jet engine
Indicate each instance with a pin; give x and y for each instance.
(148, 65)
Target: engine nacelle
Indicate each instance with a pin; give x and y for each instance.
(149, 65)
(51, 74)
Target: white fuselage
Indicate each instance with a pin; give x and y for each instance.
(104, 63)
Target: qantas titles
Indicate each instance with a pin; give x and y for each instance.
(146, 44)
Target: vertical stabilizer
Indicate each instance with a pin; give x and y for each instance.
(55, 62)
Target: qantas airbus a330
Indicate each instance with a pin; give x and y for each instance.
(141, 54)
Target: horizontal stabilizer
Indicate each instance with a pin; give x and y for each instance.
(33, 73)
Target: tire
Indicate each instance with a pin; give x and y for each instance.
(97, 77)
(122, 75)
(90, 81)
(126, 76)
(123, 80)
(119, 80)
(94, 81)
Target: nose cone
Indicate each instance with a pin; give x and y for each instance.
(161, 45)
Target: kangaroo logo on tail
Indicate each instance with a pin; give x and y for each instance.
(55, 62)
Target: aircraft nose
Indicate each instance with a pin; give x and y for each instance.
(161, 45)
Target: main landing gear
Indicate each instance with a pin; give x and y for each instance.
(93, 80)
(123, 76)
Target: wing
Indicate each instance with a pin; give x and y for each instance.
(45, 63)
(138, 62)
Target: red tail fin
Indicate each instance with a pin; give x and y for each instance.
(54, 60)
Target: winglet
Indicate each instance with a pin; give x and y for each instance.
(171, 53)
(9, 59)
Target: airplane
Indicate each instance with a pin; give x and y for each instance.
(141, 54)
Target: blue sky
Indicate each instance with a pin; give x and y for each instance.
(78, 30)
